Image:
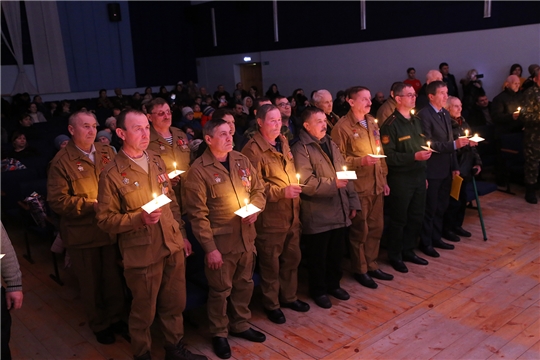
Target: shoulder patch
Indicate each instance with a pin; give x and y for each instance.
(385, 139)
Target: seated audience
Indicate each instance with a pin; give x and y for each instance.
(412, 80)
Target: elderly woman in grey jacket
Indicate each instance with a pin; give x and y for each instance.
(327, 207)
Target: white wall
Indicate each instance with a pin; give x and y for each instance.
(378, 64)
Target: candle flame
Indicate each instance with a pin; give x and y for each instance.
(246, 201)
(154, 195)
(174, 164)
(475, 135)
(412, 112)
(378, 149)
(519, 108)
(376, 121)
(298, 178)
(344, 168)
(429, 144)
(466, 132)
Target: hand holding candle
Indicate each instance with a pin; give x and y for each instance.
(515, 115)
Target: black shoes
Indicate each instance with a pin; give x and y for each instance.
(365, 280)
(251, 335)
(451, 236)
(323, 301)
(398, 265)
(276, 316)
(105, 337)
(221, 347)
(462, 232)
(340, 294)
(381, 275)
(530, 194)
(442, 245)
(297, 305)
(430, 251)
(415, 259)
(180, 352)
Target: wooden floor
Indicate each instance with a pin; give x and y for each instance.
(478, 301)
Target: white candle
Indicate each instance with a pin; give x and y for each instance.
(429, 144)
(475, 135)
(174, 164)
(344, 168)
(155, 197)
(298, 178)
(378, 149)
(466, 132)
(246, 201)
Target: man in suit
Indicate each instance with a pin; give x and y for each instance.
(442, 166)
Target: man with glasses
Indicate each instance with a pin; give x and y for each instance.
(357, 136)
(169, 142)
(289, 126)
(401, 138)
(323, 100)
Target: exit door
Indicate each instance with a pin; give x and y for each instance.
(251, 75)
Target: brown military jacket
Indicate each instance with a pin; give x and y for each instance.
(177, 152)
(354, 142)
(72, 188)
(277, 170)
(124, 187)
(213, 194)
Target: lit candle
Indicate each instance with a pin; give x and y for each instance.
(412, 112)
(174, 164)
(467, 132)
(298, 178)
(155, 197)
(378, 149)
(246, 201)
(519, 108)
(376, 121)
(429, 144)
(344, 168)
(475, 135)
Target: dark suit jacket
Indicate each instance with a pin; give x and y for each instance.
(441, 163)
(450, 82)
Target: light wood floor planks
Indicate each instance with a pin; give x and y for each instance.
(479, 301)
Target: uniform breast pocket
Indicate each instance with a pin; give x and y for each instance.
(221, 190)
(84, 184)
(133, 197)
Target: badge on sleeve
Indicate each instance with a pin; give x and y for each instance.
(385, 139)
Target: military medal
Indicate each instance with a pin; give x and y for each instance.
(125, 180)
(162, 178)
(245, 175)
(182, 143)
(79, 166)
(105, 159)
(136, 183)
(161, 147)
(217, 179)
(355, 134)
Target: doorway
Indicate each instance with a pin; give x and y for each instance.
(251, 75)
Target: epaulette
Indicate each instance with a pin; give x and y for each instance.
(390, 120)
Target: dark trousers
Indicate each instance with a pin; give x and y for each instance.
(406, 204)
(437, 197)
(6, 328)
(324, 253)
(455, 213)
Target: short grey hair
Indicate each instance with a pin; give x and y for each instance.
(318, 95)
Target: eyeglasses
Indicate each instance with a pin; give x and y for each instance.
(162, 113)
(408, 95)
(284, 104)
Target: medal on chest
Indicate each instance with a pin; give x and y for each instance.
(161, 146)
(245, 176)
(163, 181)
(182, 143)
(79, 166)
(355, 133)
(217, 179)
(125, 180)
(105, 159)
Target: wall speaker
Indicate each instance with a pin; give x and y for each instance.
(114, 12)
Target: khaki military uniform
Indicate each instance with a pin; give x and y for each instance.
(177, 153)
(72, 189)
(355, 142)
(278, 226)
(214, 194)
(153, 254)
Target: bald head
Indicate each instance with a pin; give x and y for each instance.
(513, 83)
(433, 75)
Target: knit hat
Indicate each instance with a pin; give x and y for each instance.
(186, 110)
(208, 110)
(104, 133)
(59, 140)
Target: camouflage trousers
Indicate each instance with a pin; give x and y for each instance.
(531, 150)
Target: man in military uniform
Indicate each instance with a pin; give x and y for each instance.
(402, 138)
(357, 135)
(169, 142)
(72, 188)
(220, 182)
(152, 244)
(278, 227)
(531, 137)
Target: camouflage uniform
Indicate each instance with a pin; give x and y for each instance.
(531, 135)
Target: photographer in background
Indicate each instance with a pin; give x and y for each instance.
(472, 88)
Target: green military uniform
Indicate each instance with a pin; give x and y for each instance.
(531, 134)
(401, 139)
